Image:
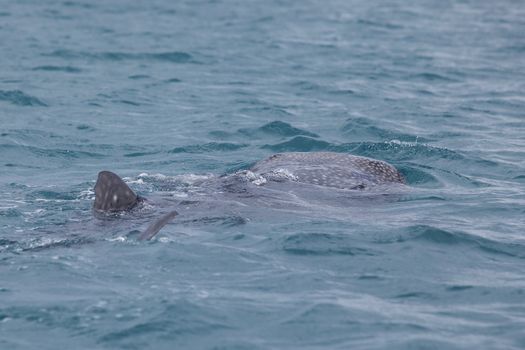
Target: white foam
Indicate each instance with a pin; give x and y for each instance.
(285, 173)
(185, 178)
(87, 194)
(252, 177)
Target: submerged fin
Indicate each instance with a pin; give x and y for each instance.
(157, 225)
(112, 193)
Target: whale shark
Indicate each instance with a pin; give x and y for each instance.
(303, 172)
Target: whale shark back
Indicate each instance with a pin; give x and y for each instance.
(287, 171)
(328, 169)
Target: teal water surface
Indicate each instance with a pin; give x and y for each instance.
(167, 93)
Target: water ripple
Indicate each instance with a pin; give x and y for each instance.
(299, 144)
(20, 98)
(66, 69)
(435, 235)
(323, 244)
(362, 128)
(208, 147)
(52, 153)
(170, 56)
(276, 128)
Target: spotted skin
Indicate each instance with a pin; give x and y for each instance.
(328, 169)
(112, 194)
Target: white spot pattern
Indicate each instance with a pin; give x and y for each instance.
(327, 169)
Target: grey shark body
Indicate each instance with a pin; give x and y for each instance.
(314, 175)
(328, 169)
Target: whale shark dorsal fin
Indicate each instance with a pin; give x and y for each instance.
(112, 193)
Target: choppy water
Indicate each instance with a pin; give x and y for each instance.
(165, 92)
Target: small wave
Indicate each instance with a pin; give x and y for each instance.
(28, 135)
(78, 4)
(432, 77)
(299, 144)
(226, 221)
(139, 77)
(171, 56)
(307, 85)
(51, 195)
(430, 234)
(10, 212)
(141, 154)
(435, 235)
(66, 69)
(364, 129)
(518, 48)
(266, 109)
(19, 98)
(323, 244)
(85, 127)
(398, 150)
(458, 288)
(379, 24)
(127, 102)
(209, 147)
(176, 57)
(418, 295)
(277, 128)
(42, 243)
(415, 176)
(4, 242)
(393, 150)
(52, 153)
(220, 134)
(177, 317)
(370, 277)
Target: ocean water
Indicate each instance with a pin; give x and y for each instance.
(167, 93)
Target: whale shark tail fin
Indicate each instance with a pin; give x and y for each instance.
(112, 193)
